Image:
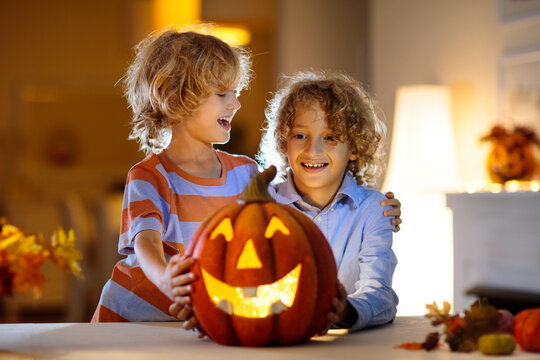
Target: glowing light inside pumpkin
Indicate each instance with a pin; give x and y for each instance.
(275, 225)
(253, 302)
(248, 258)
(224, 228)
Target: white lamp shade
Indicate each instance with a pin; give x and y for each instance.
(423, 151)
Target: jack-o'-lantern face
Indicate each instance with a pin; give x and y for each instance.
(252, 301)
(509, 163)
(265, 274)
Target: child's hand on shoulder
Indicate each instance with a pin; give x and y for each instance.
(395, 211)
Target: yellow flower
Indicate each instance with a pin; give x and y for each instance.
(64, 252)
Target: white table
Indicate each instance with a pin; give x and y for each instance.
(132, 341)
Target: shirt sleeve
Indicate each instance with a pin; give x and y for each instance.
(373, 297)
(145, 206)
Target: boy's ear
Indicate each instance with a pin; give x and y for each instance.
(353, 156)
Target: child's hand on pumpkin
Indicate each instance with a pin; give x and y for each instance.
(395, 211)
(180, 279)
(191, 323)
(343, 315)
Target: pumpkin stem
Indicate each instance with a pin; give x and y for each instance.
(257, 188)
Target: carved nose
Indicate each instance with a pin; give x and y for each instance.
(248, 258)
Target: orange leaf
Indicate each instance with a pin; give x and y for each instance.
(28, 275)
(455, 323)
(410, 346)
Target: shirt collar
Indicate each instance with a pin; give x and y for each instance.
(287, 194)
(349, 188)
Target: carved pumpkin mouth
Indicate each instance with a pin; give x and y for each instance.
(253, 301)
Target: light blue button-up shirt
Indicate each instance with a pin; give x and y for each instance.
(361, 240)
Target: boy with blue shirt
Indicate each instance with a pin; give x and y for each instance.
(325, 137)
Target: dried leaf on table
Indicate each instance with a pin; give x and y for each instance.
(410, 346)
(431, 342)
(437, 315)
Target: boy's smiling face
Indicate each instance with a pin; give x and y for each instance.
(318, 159)
(211, 122)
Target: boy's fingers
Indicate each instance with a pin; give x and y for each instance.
(182, 279)
(185, 313)
(391, 202)
(182, 266)
(182, 300)
(176, 258)
(190, 323)
(323, 331)
(338, 306)
(175, 308)
(184, 290)
(396, 229)
(327, 325)
(392, 212)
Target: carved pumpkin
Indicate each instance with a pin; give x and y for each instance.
(511, 156)
(265, 272)
(527, 329)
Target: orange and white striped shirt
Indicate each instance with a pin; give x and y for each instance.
(160, 196)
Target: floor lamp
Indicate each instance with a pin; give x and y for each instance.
(422, 168)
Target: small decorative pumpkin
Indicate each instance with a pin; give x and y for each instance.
(511, 156)
(265, 273)
(496, 344)
(527, 329)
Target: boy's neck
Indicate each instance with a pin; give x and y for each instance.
(200, 161)
(313, 199)
(320, 198)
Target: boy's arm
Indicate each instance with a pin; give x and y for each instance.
(370, 291)
(149, 250)
(172, 279)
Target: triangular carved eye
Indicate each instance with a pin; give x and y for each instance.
(275, 225)
(224, 228)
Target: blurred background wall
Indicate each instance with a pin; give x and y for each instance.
(64, 151)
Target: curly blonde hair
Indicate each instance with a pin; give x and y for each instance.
(350, 113)
(172, 73)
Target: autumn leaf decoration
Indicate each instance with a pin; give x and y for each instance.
(461, 332)
(22, 255)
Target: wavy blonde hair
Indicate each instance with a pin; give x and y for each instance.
(350, 113)
(172, 73)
